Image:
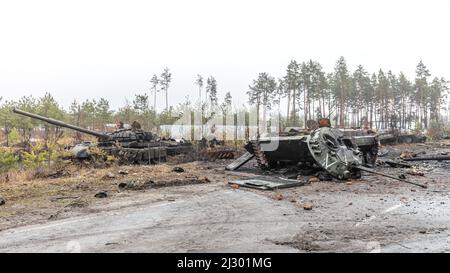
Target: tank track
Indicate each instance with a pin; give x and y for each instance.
(260, 156)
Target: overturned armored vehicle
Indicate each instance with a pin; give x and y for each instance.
(324, 147)
(132, 145)
(340, 154)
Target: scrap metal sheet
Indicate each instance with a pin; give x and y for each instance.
(266, 184)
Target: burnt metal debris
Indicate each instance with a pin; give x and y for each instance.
(396, 136)
(268, 184)
(340, 153)
(438, 158)
(129, 145)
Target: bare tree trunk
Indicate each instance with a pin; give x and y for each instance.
(167, 101)
(341, 114)
(224, 124)
(257, 118)
(154, 100)
(305, 107)
(294, 116)
(264, 128)
(323, 107)
(288, 106)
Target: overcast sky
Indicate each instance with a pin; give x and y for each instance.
(91, 49)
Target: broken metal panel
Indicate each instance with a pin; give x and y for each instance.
(438, 158)
(240, 162)
(265, 184)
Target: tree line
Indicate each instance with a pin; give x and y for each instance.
(96, 114)
(378, 100)
(349, 98)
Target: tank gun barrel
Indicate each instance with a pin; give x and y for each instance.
(61, 124)
(438, 158)
(390, 176)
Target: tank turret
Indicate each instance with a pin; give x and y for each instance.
(132, 145)
(62, 124)
(132, 138)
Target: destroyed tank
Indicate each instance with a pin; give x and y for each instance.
(129, 145)
(325, 147)
(319, 147)
(335, 151)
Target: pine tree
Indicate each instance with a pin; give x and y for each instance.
(225, 107)
(154, 81)
(341, 87)
(211, 90)
(405, 91)
(261, 93)
(421, 89)
(165, 79)
(292, 84)
(199, 83)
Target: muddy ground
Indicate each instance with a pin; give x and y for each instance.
(154, 208)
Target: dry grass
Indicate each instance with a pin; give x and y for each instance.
(31, 199)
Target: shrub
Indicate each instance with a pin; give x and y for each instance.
(36, 157)
(14, 136)
(8, 159)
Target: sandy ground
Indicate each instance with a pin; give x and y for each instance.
(196, 211)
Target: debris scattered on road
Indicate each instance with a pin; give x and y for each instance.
(53, 175)
(235, 186)
(149, 184)
(239, 162)
(278, 196)
(307, 206)
(109, 175)
(266, 184)
(178, 170)
(438, 158)
(407, 155)
(77, 203)
(136, 186)
(415, 172)
(101, 194)
(313, 179)
(394, 164)
(206, 179)
(63, 197)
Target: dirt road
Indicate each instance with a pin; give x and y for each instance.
(219, 220)
(215, 218)
(162, 211)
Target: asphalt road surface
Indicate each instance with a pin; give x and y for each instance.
(219, 219)
(211, 222)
